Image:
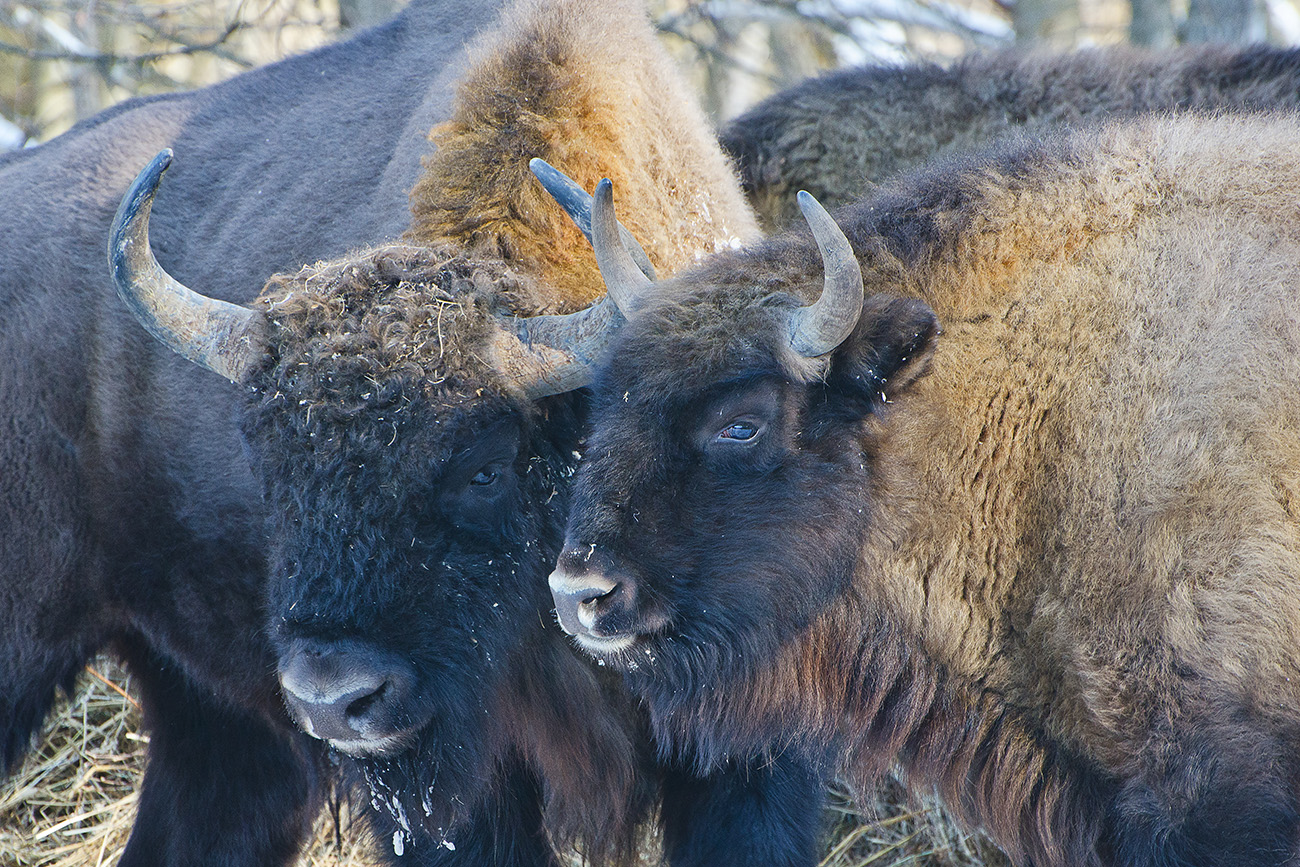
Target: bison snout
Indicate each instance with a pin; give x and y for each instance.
(594, 602)
(578, 599)
(348, 693)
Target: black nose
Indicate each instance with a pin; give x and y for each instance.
(585, 592)
(347, 692)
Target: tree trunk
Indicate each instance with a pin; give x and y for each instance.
(1225, 21)
(1052, 22)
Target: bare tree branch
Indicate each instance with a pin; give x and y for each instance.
(141, 58)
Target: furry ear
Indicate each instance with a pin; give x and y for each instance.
(888, 350)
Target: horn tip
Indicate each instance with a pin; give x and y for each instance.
(808, 202)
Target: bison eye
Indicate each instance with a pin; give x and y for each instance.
(484, 477)
(741, 431)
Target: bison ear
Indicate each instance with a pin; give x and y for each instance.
(887, 351)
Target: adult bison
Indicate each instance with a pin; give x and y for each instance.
(128, 518)
(412, 439)
(1048, 562)
(841, 135)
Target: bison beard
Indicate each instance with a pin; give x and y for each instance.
(1043, 563)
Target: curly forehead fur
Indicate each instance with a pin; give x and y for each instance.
(353, 329)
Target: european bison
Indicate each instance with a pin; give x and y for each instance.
(128, 518)
(840, 135)
(1048, 562)
(412, 442)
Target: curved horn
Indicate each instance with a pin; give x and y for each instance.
(624, 281)
(576, 202)
(548, 355)
(824, 324)
(225, 338)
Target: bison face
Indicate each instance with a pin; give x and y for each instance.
(394, 572)
(414, 502)
(727, 482)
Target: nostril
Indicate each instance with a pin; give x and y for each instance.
(358, 708)
(596, 602)
(594, 595)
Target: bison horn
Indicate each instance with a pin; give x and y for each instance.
(549, 355)
(823, 325)
(624, 281)
(576, 202)
(225, 338)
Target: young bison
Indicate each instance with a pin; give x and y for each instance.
(409, 438)
(841, 135)
(1048, 562)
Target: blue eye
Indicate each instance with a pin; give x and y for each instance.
(483, 478)
(741, 431)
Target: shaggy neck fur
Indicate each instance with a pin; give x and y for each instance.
(879, 703)
(588, 88)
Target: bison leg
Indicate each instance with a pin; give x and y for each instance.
(26, 697)
(224, 786)
(760, 812)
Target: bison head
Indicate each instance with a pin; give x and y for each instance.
(413, 443)
(729, 474)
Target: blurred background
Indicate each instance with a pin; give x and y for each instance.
(63, 60)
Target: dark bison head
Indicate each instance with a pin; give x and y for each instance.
(729, 474)
(413, 447)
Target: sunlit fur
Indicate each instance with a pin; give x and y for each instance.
(1045, 562)
(588, 87)
(841, 135)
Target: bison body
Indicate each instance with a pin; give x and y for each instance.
(841, 135)
(1045, 562)
(130, 519)
(414, 480)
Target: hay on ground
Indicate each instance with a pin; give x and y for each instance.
(72, 802)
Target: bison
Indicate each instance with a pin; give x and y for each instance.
(409, 424)
(841, 135)
(1047, 562)
(128, 518)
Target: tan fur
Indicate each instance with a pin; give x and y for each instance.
(1096, 487)
(588, 88)
(842, 136)
(1108, 447)
(1088, 535)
